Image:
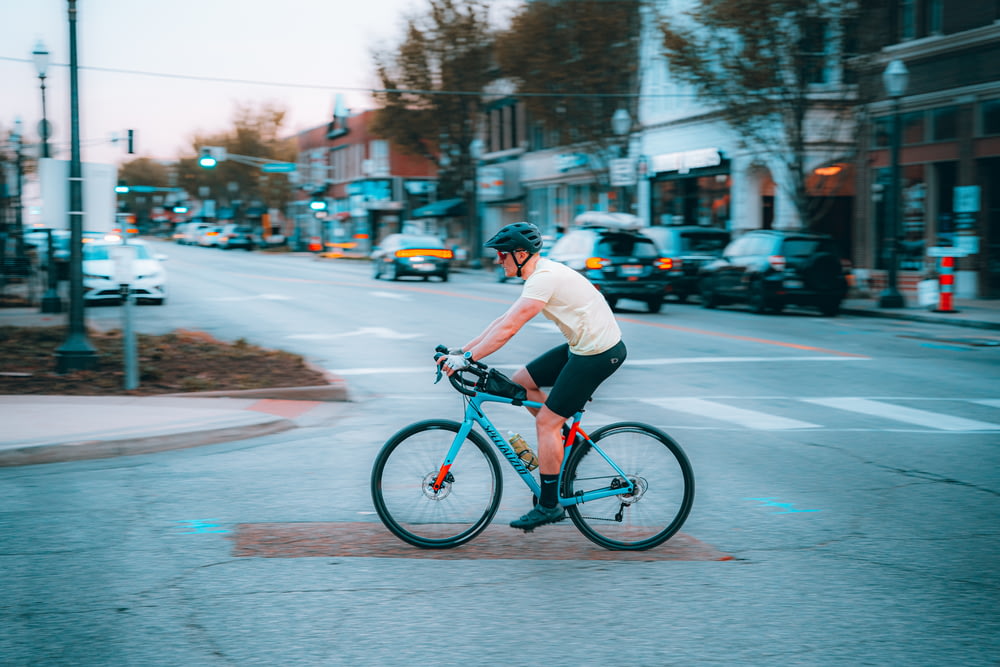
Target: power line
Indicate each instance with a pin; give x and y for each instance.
(310, 86)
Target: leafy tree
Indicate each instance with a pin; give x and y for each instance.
(433, 87)
(575, 62)
(774, 71)
(256, 132)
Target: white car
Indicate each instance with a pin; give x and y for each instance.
(148, 281)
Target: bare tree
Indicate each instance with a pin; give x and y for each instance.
(433, 87)
(776, 71)
(256, 132)
(575, 62)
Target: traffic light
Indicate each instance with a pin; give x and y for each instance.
(207, 160)
(122, 187)
(131, 142)
(318, 204)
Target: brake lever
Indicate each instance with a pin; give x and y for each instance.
(437, 357)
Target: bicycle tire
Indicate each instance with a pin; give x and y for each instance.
(655, 463)
(404, 470)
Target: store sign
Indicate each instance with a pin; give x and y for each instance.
(491, 181)
(685, 161)
(622, 172)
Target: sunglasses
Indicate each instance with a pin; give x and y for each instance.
(502, 256)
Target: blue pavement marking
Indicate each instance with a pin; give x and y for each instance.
(789, 508)
(203, 526)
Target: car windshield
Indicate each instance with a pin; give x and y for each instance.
(97, 252)
(803, 247)
(625, 244)
(704, 243)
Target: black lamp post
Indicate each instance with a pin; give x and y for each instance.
(41, 57)
(76, 352)
(17, 140)
(475, 231)
(895, 77)
(621, 125)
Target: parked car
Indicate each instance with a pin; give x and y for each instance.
(411, 255)
(236, 236)
(192, 233)
(769, 269)
(687, 248)
(209, 236)
(620, 261)
(147, 283)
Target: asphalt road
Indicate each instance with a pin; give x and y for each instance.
(846, 513)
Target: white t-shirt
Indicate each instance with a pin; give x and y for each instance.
(575, 305)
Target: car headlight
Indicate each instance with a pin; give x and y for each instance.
(95, 276)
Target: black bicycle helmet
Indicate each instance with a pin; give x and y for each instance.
(517, 236)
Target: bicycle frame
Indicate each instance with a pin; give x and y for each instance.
(474, 414)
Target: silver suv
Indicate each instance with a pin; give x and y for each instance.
(621, 263)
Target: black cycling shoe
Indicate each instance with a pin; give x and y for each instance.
(539, 516)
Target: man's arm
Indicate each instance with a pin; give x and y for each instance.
(503, 329)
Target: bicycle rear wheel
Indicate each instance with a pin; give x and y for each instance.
(403, 476)
(654, 463)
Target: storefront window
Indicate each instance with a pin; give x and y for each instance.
(945, 179)
(912, 230)
(914, 216)
(695, 200)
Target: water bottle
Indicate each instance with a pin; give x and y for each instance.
(523, 451)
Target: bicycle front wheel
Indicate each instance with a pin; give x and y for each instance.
(663, 486)
(403, 479)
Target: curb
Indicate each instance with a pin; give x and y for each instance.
(917, 317)
(101, 449)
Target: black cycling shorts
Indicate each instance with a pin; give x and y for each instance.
(574, 378)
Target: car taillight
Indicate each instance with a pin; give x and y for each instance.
(595, 263)
(426, 252)
(666, 263)
(777, 262)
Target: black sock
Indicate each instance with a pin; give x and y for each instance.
(550, 490)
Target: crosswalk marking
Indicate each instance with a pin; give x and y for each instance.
(936, 420)
(747, 418)
(722, 413)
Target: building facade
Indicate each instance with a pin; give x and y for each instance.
(949, 155)
(354, 188)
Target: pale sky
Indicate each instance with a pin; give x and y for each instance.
(142, 50)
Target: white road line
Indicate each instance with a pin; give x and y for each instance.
(731, 360)
(935, 420)
(991, 402)
(761, 421)
(386, 333)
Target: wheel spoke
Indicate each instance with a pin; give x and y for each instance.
(661, 480)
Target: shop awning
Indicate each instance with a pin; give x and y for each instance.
(440, 209)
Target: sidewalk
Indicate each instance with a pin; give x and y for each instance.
(47, 429)
(973, 313)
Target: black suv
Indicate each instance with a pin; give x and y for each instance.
(621, 263)
(688, 247)
(770, 268)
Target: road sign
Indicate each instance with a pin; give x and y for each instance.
(278, 168)
(622, 172)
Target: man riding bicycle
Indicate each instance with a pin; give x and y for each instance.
(593, 351)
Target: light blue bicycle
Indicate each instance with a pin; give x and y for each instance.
(437, 483)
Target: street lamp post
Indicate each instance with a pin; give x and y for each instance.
(621, 125)
(895, 77)
(475, 231)
(41, 57)
(76, 352)
(17, 140)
